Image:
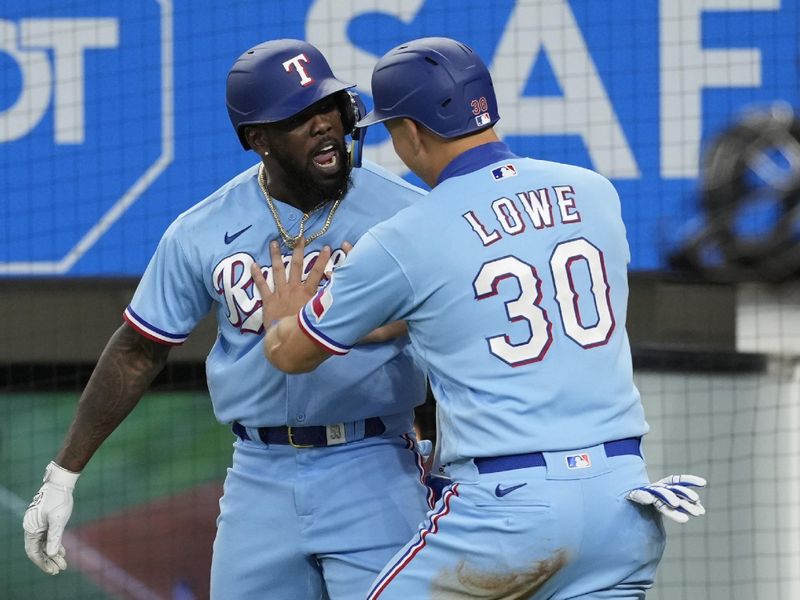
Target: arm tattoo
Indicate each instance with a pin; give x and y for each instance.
(127, 366)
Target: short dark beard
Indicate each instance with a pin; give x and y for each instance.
(309, 192)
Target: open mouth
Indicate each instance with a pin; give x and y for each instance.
(326, 159)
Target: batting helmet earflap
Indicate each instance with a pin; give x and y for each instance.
(278, 79)
(436, 81)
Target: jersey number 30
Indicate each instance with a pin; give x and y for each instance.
(526, 307)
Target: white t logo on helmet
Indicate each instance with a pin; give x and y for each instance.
(295, 62)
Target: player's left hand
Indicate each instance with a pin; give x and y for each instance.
(672, 496)
(291, 292)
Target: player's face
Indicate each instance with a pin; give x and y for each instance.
(310, 155)
(400, 139)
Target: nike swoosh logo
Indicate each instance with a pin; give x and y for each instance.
(500, 492)
(230, 238)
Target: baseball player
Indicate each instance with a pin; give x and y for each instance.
(512, 277)
(311, 451)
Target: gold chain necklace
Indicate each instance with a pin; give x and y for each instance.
(291, 240)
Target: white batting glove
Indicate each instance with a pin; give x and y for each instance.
(46, 517)
(672, 496)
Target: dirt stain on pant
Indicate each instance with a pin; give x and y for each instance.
(466, 581)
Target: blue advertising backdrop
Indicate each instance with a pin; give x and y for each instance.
(113, 120)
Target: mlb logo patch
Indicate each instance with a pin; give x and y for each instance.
(483, 119)
(504, 171)
(579, 461)
(321, 303)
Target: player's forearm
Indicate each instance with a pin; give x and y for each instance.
(290, 350)
(127, 366)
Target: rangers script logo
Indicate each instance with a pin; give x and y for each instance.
(231, 279)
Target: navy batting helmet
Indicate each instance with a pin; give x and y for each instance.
(278, 79)
(438, 82)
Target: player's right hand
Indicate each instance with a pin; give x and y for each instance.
(46, 517)
(672, 496)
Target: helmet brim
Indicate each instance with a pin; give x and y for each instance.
(297, 105)
(373, 117)
(293, 107)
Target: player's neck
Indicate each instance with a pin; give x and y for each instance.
(285, 194)
(285, 189)
(444, 151)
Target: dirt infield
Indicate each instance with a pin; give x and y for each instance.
(157, 551)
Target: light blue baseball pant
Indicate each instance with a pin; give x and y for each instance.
(308, 523)
(558, 531)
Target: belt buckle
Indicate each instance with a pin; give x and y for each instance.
(291, 439)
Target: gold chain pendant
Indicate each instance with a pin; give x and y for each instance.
(288, 239)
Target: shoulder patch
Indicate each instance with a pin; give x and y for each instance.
(321, 302)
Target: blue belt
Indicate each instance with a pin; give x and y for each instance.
(314, 436)
(496, 464)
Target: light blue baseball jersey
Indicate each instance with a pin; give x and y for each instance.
(203, 263)
(512, 276)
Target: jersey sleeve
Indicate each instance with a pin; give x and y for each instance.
(369, 290)
(170, 298)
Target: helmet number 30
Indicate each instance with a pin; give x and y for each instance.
(527, 306)
(479, 105)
